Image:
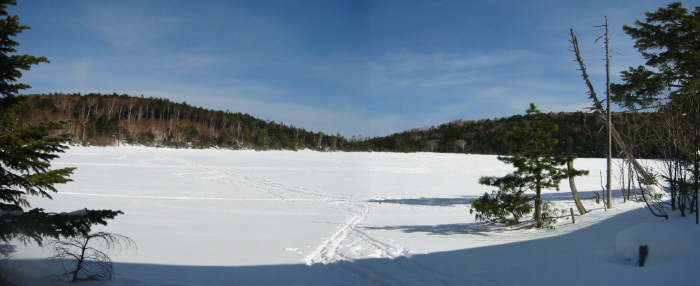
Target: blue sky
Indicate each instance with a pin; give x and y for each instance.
(367, 68)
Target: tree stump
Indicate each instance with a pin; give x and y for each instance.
(643, 252)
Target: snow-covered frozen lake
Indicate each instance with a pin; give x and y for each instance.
(221, 217)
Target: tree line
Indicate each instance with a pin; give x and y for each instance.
(579, 133)
(103, 119)
(107, 119)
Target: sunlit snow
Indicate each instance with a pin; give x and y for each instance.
(222, 217)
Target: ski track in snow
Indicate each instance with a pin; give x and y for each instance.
(346, 243)
(347, 247)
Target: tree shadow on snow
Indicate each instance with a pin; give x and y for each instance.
(476, 228)
(563, 195)
(467, 200)
(436, 202)
(585, 195)
(580, 257)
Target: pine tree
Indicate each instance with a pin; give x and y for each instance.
(536, 168)
(669, 40)
(26, 154)
(506, 205)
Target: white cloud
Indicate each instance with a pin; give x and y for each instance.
(405, 70)
(405, 62)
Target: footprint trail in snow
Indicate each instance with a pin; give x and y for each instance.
(347, 243)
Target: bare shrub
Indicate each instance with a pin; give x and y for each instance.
(86, 257)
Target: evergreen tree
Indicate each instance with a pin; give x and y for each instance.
(669, 40)
(507, 205)
(26, 153)
(536, 169)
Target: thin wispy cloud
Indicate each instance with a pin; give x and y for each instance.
(406, 62)
(349, 67)
(441, 70)
(127, 26)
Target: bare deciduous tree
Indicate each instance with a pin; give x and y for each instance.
(90, 255)
(112, 103)
(64, 102)
(461, 143)
(130, 103)
(179, 134)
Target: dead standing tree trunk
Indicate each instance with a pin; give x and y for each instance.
(598, 106)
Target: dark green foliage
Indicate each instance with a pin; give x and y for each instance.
(12, 65)
(36, 224)
(507, 205)
(669, 40)
(537, 168)
(669, 84)
(578, 134)
(26, 153)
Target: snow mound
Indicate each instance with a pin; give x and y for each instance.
(652, 192)
(666, 242)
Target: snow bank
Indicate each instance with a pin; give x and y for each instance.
(654, 192)
(666, 242)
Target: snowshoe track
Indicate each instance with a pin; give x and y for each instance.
(346, 243)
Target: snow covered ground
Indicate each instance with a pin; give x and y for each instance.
(221, 217)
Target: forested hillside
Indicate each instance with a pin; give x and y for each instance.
(98, 119)
(578, 133)
(110, 119)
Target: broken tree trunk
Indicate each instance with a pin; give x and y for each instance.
(598, 106)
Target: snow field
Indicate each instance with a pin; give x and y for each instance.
(221, 217)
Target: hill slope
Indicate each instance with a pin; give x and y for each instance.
(112, 119)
